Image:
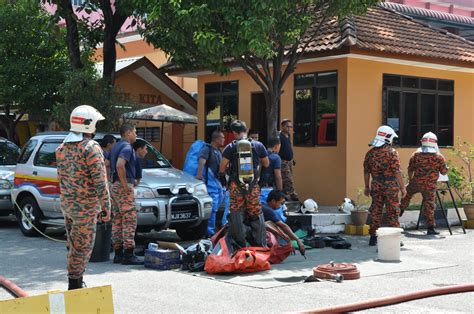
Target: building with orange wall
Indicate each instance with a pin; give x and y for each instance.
(379, 68)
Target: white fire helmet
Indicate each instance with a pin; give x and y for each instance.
(309, 206)
(429, 143)
(83, 120)
(385, 135)
(347, 206)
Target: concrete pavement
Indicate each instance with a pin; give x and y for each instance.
(38, 264)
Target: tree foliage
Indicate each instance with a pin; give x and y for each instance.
(82, 30)
(33, 60)
(265, 37)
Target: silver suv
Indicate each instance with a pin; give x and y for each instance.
(8, 156)
(165, 198)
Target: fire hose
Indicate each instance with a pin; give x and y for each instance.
(369, 304)
(12, 289)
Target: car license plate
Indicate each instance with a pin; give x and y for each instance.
(181, 216)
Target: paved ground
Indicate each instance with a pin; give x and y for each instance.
(37, 265)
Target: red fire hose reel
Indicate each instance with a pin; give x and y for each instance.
(336, 271)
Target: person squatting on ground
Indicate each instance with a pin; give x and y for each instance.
(382, 163)
(275, 200)
(423, 172)
(244, 159)
(210, 158)
(271, 176)
(287, 162)
(123, 173)
(84, 191)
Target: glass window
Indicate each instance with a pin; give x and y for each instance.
(445, 120)
(446, 85)
(303, 111)
(9, 153)
(409, 82)
(149, 134)
(393, 110)
(27, 151)
(428, 113)
(392, 80)
(154, 159)
(221, 106)
(326, 116)
(428, 84)
(46, 156)
(410, 121)
(304, 79)
(315, 109)
(413, 111)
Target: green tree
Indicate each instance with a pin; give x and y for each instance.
(265, 37)
(33, 59)
(81, 30)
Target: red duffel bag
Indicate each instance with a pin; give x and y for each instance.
(245, 260)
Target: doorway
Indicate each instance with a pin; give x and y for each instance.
(259, 116)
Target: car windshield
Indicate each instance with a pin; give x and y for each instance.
(154, 159)
(9, 153)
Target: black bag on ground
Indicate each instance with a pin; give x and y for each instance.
(102, 244)
(196, 255)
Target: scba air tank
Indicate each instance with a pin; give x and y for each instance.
(245, 161)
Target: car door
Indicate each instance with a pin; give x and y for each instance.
(46, 178)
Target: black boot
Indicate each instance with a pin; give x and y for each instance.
(373, 240)
(129, 258)
(118, 256)
(432, 231)
(75, 283)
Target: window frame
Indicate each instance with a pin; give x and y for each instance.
(220, 94)
(35, 160)
(151, 130)
(314, 105)
(23, 152)
(419, 92)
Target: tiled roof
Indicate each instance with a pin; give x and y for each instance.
(385, 30)
(409, 10)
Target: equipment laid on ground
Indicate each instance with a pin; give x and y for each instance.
(195, 256)
(102, 244)
(388, 244)
(162, 259)
(336, 271)
(446, 188)
(347, 206)
(309, 206)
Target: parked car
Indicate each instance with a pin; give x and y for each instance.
(165, 198)
(9, 153)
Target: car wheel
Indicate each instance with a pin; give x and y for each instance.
(31, 217)
(192, 233)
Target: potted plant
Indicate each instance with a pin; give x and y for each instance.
(359, 212)
(462, 177)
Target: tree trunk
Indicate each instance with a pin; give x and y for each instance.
(110, 58)
(72, 35)
(272, 105)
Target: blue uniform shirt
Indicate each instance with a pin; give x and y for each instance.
(269, 214)
(123, 150)
(268, 174)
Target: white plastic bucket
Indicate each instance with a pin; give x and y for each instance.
(388, 244)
